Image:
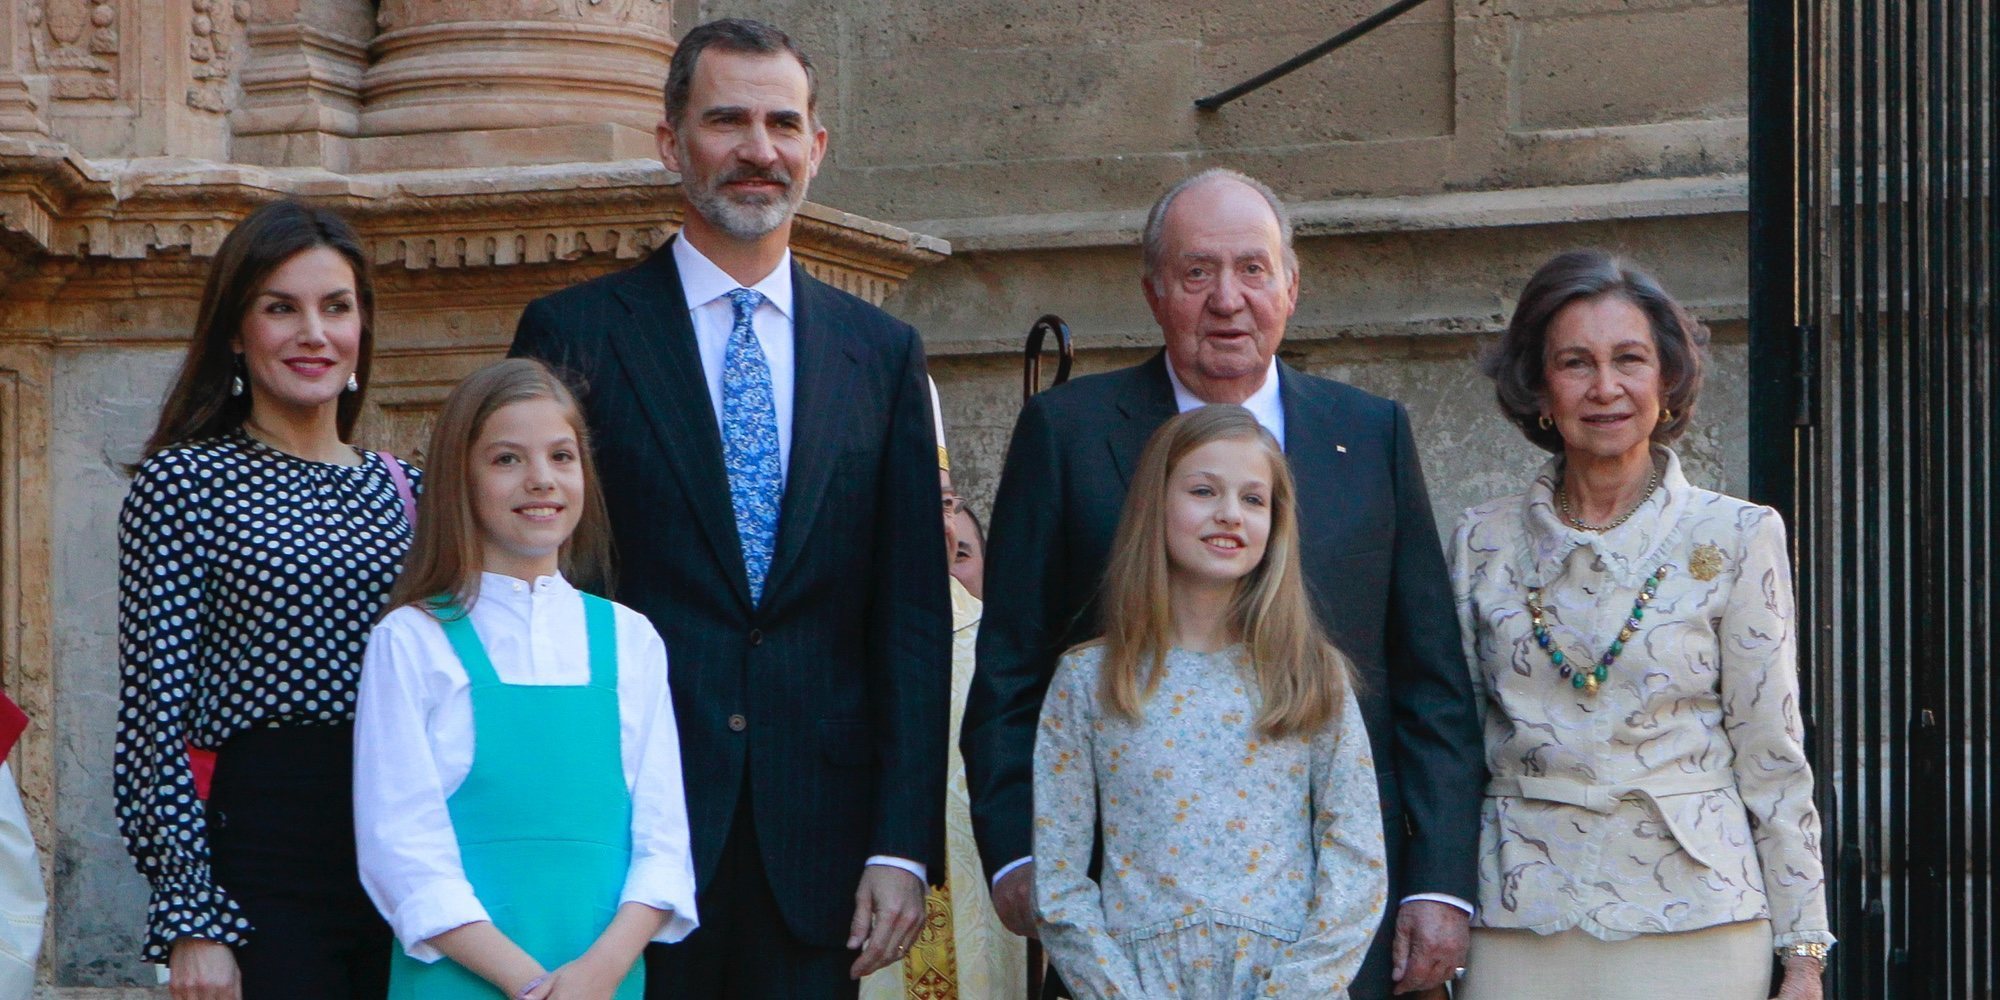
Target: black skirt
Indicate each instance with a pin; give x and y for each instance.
(281, 840)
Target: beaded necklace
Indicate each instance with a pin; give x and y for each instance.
(1587, 679)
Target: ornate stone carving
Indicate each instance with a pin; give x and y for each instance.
(215, 33)
(76, 43)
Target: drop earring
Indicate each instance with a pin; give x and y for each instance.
(236, 386)
(353, 384)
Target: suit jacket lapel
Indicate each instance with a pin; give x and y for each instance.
(1147, 402)
(659, 352)
(822, 363)
(1313, 450)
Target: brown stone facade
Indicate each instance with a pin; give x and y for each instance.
(489, 151)
(493, 150)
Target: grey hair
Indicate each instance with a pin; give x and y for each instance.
(732, 34)
(1516, 362)
(1153, 242)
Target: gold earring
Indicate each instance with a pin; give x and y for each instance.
(1545, 422)
(1666, 415)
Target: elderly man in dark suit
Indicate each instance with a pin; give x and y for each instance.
(1222, 281)
(769, 469)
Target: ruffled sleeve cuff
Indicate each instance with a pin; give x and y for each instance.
(665, 884)
(432, 910)
(191, 907)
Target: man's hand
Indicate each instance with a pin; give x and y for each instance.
(1431, 939)
(1802, 978)
(199, 969)
(888, 911)
(1014, 900)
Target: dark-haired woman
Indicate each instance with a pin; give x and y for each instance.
(256, 549)
(1649, 828)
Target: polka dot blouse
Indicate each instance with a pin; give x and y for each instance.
(248, 581)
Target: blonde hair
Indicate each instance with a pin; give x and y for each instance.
(1304, 678)
(445, 559)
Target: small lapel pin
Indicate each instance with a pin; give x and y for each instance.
(1340, 448)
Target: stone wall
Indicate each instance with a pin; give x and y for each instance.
(491, 150)
(1432, 165)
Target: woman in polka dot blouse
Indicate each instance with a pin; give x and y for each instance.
(256, 550)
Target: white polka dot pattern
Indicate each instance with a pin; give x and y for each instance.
(248, 581)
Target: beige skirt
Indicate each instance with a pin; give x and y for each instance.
(1729, 962)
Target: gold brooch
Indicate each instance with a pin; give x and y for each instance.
(1706, 562)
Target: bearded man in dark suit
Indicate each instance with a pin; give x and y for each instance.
(768, 466)
(1222, 281)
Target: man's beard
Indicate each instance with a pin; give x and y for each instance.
(745, 220)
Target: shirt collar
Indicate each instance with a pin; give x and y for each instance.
(512, 586)
(1631, 551)
(1264, 404)
(703, 282)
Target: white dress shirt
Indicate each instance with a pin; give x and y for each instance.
(1269, 408)
(413, 743)
(707, 288)
(1264, 404)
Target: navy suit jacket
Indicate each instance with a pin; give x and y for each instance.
(1372, 562)
(827, 701)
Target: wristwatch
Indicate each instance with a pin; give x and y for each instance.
(1804, 949)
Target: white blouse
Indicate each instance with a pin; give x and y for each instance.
(413, 740)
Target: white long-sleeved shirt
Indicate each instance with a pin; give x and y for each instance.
(413, 743)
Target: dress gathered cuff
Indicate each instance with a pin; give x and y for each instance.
(667, 885)
(441, 906)
(1790, 938)
(190, 906)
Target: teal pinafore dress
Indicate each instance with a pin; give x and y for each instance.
(544, 820)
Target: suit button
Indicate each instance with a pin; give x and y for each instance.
(756, 637)
(737, 723)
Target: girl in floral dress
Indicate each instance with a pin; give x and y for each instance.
(1211, 742)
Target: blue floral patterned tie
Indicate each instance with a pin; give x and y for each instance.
(750, 442)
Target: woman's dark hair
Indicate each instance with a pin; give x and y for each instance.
(1516, 364)
(199, 405)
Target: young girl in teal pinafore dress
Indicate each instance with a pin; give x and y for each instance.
(518, 804)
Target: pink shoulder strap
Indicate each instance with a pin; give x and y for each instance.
(402, 487)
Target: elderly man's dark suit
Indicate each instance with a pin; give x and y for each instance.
(826, 703)
(1373, 563)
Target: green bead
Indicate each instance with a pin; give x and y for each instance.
(1602, 672)
(1617, 646)
(1578, 681)
(1638, 612)
(1652, 582)
(1557, 657)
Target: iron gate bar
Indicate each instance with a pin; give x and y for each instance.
(1375, 20)
(1874, 268)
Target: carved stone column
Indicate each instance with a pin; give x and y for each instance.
(20, 106)
(302, 82)
(509, 82)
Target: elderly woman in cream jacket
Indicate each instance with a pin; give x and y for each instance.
(1649, 829)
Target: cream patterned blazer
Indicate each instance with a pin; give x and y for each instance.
(1677, 796)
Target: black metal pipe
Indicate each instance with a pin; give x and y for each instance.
(1376, 20)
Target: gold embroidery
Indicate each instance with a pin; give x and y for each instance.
(930, 970)
(1706, 562)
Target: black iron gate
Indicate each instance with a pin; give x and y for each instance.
(1875, 419)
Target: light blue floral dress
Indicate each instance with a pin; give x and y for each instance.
(1235, 866)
